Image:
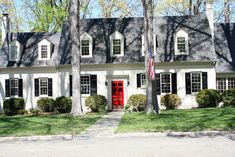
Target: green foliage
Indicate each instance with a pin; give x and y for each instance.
(170, 101)
(34, 111)
(63, 104)
(208, 98)
(46, 104)
(97, 103)
(229, 97)
(137, 100)
(13, 105)
(21, 112)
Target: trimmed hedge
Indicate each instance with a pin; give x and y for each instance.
(208, 98)
(137, 99)
(46, 104)
(63, 104)
(171, 101)
(229, 97)
(97, 103)
(13, 105)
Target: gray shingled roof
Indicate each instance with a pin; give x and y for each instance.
(200, 41)
(225, 47)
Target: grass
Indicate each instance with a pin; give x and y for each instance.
(45, 124)
(179, 120)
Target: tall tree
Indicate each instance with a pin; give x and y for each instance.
(74, 18)
(152, 103)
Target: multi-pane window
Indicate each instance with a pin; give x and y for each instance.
(43, 86)
(85, 47)
(196, 82)
(14, 52)
(143, 80)
(14, 87)
(231, 82)
(44, 50)
(117, 46)
(221, 84)
(181, 45)
(85, 84)
(165, 83)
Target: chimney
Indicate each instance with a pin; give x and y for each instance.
(5, 26)
(210, 15)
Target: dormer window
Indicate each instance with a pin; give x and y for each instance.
(86, 45)
(117, 44)
(154, 44)
(15, 51)
(181, 43)
(44, 50)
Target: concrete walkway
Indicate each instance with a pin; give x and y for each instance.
(105, 127)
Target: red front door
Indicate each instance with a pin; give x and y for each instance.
(117, 94)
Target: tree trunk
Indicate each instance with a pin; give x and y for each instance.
(190, 7)
(226, 11)
(152, 104)
(76, 69)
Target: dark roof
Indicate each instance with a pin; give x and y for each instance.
(200, 41)
(225, 47)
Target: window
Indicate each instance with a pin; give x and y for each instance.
(165, 83)
(43, 86)
(116, 44)
(14, 52)
(85, 47)
(154, 44)
(44, 50)
(196, 80)
(14, 87)
(15, 49)
(85, 84)
(225, 83)
(181, 43)
(143, 80)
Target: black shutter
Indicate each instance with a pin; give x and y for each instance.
(20, 88)
(70, 85)
(174, 83)
(36, 87)
(158, 84)
(93, 84)
(7, 88)
(204, 80)
(50, 87)
(138, 80)
(188, 83)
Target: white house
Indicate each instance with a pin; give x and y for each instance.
(191, 53)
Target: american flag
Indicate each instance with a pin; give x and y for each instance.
(151, 72)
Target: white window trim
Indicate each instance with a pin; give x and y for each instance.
(86, 36)
(43, 95)
(14, 96)
(142, 86)
(193, 93)
(226, 81)
(49, 49)
(154, 44)
(116, 35)
(181, 33)
(85, 95)
(162, 93)
(19, 50)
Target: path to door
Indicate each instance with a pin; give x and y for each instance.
(104, 127)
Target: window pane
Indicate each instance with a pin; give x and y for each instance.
(85, 47)
(117, 46)
(85, 84)
(143, 80)
(231, 82)
(14, 87)
(165, 83)
(221, 84)
(14, 52)
(43, 87)
(196, 82)
(44, 51)
(181, 45)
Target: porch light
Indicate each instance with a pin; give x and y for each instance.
(128, 83)
(106, 83)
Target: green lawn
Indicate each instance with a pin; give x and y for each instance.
(45, 124)
(179, 120)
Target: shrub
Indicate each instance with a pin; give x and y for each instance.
(34, 111)
(229, 97)
(45, 104)
(170, 101)
(13, 105)
(208, 98)
(97, 103)
(137, 99)
(21, 112)
(63, 104)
